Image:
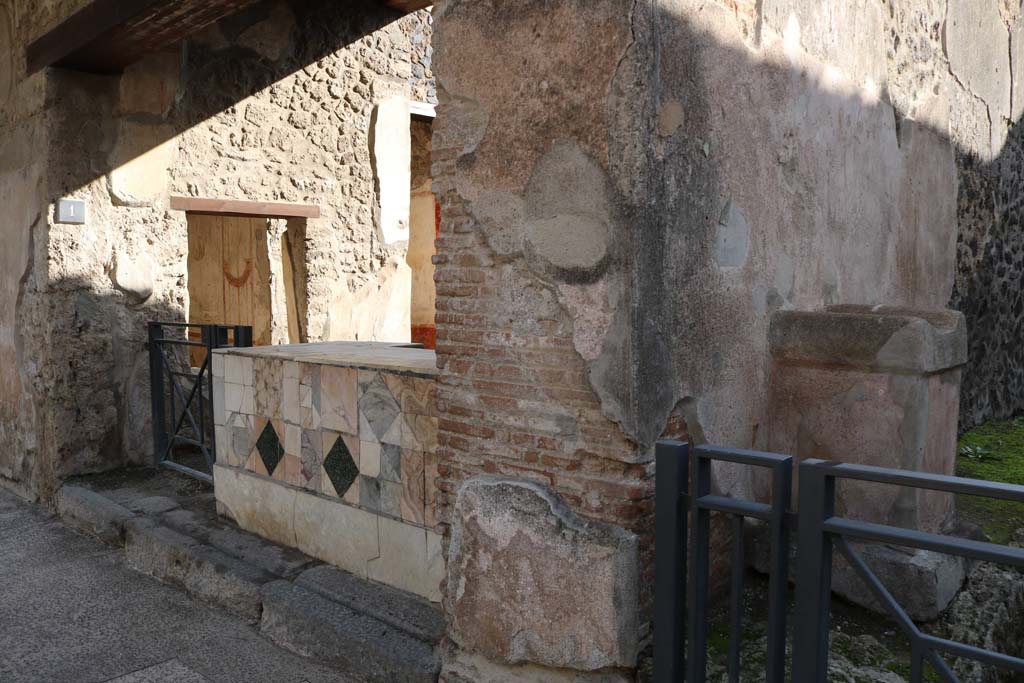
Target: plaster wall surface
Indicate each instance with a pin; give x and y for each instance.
(613, 247)
(272, 104)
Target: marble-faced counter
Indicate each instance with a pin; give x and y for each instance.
(331, 448)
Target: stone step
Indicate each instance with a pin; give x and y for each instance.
(365, 629)
(310, 624)
(207, 527)
(203, 571)
(409, 613)
(92, 513)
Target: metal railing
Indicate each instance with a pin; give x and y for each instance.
(181, 395)
(820, 530)
(681, 614)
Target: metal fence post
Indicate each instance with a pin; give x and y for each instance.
(778, 589)
(670, 535)
(243, 336)
(156, 391)
(209, 333)
(700, 557)
(813, 574)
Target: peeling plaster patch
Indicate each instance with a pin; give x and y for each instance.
(732, 238)
(670, 117)
(140, 163)
(134, 276)
(591, 313)
(567, 213)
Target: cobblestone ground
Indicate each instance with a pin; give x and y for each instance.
(71, 612)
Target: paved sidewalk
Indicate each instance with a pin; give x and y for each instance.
(71, 612)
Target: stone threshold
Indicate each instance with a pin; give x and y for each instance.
(169, 529)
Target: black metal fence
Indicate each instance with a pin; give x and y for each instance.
(181, 388)
(681, 617)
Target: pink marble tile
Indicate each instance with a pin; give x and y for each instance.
(338, 399)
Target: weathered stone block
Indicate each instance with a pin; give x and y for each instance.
(465, 667)
(876, 386)
(529, 581)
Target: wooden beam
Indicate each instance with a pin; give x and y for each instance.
(407, 5)
(80, 29)
(107, 35)
(239, 207)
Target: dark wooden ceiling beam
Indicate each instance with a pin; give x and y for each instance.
(77, 31)
(407, 5)
(107, 35)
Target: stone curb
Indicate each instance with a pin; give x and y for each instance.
(93, 514)
(373, 632)
(202, 571)
(309, 624)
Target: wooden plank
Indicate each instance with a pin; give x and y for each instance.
(261, 295)
(288, 248)
(237, 207)
(205, 276)
(239, 266)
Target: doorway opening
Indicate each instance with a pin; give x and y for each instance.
(424, 228)
(247, 266)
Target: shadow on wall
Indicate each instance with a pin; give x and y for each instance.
(662, 196)
(91, 383)
(735, 188)
(216, 74)
(78, 314)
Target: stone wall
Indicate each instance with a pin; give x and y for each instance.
(276, 103)
(613, 245)
(990, 243)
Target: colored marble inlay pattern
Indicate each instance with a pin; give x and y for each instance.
(364, 436)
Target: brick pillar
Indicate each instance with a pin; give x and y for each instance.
(547, 501)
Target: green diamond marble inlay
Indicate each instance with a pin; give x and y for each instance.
(270, 449)
(341, 469)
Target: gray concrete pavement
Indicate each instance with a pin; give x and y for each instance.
(71, 612)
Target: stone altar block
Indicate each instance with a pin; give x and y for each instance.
(876, 386)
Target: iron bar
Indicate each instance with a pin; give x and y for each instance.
(892, 606)
(171, 465)
(182, 342)
(778, 580)
(670, 534)
(700, 550)
(964, 547)
(921, 480)
(976, 653)
(734, 506)
(168, 427)
(741, 457)
(736, 599)
(813, 576)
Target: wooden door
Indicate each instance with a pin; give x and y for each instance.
(229, 272)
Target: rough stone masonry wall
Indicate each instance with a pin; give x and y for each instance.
(615, 241)
(989, 285)
(273, 104)
(24, 326)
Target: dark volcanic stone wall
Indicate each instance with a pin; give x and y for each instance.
(989, 286)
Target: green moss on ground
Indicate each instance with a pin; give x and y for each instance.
(993, 451)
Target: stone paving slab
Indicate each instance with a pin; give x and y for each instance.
(166, 672)
(72, 612)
